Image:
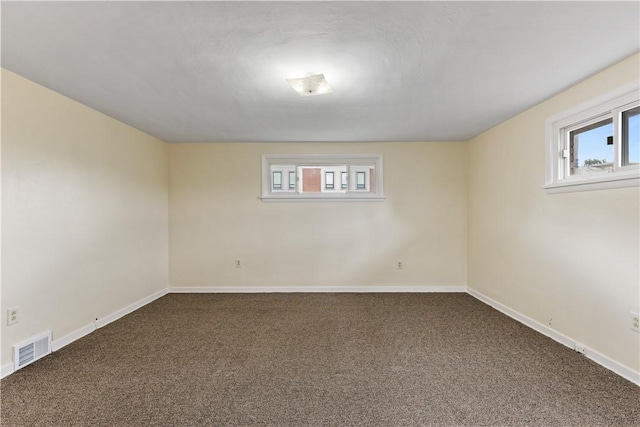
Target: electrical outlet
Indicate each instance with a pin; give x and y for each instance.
(635, 321)
(400, 265)
(238, 264)
(549, 320)
(12, 316)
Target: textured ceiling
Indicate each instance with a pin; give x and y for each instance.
(400, 71)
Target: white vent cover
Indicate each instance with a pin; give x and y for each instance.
(31, 350)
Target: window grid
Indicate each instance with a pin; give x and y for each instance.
(327, 177)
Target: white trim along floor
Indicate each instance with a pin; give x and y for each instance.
(599, 358)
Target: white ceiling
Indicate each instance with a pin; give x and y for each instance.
(400, 71)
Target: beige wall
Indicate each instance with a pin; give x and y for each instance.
(217, 217)
(85, 218)
(574, 256)
(86, 203)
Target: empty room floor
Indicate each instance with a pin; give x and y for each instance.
(317, 359)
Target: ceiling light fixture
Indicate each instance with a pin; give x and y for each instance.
(310, 85)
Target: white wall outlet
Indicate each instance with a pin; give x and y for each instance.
(549, 320)
(238, 264)
(12, 316)
(635, 321)
(400, 265)
(580, 348)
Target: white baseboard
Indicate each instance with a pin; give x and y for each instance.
(602, 360)
(6, 370)
(129, 309)
(315, 289)
(599, 358)
(59, 343)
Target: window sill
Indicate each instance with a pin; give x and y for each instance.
(618, 180)
(323, 198)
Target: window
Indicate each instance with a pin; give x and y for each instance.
(322, 177)
(292, 180)
(328, 180)
(596, 145)
(277, 180)
(364, 178)
(591, 148)
(283, 178)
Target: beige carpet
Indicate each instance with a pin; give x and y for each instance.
(317, 360)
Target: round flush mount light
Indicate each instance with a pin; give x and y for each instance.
(311, 85)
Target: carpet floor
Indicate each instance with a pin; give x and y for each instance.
(317, 360)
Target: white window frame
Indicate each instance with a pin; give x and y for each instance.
(327, 163)
(558, 127)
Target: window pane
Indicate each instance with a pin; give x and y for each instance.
(591, 148)
(292, 180)
(277, 180)
(328, 180)
(631, 137)
(311, 180)
(360, 180)
(345, 181)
